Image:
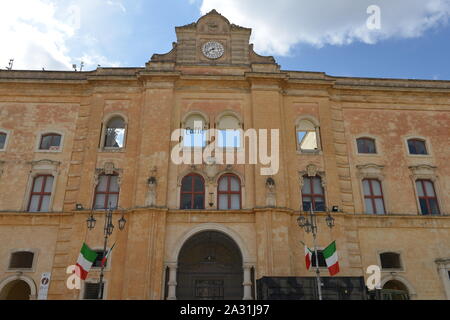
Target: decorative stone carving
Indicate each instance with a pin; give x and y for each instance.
(151, 193)
(271, 196)
(423, 171)
(211, 168)
(312, 171)
(108, 169)
(370, 171)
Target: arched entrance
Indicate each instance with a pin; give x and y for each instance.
(210, 267)
(395, 290)
(16, 290)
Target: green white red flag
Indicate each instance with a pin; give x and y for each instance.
(85, 260)
(331, 258)
(105, 258)
(308, 257)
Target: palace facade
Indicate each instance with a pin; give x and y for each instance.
(372, 153)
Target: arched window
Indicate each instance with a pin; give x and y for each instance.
(313, 194)
(194, 135)
(229, 132)
(50, 141)
(229, 192)
(417, 146)
(394, 290)
(192, 192)
(41, 193)
(115, 133)
(427, 197)
(366, 146)
(107, 192)
(3, 136)
(307, 136)
(373, 196)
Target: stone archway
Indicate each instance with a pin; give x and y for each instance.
(18, 287)
(210, 268)
(228, 241)
(16, 290)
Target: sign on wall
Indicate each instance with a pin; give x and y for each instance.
(44, 284)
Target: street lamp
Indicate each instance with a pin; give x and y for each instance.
(309, 224)
(108, 229)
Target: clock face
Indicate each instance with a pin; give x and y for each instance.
(213, 50)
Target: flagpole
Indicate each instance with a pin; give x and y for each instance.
(314, 233)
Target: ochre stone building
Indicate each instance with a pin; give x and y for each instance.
(375, 150)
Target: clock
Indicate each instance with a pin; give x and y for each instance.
(213, 50)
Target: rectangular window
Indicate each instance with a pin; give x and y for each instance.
(98, 261)
(107, 192)
(322, 262)
(41, 193)
(373, 196)
(21, 260)
(427, 197)
(91, 291)
(313, 194)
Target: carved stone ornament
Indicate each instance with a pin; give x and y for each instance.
(423, 171)
(108, 169)
(271, 196)
(371, 170)
(312, 171)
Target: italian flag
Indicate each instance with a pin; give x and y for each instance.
(85, 261)
(105, 258)
(308, 257)
(331, 258)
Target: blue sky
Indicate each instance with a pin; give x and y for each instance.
(413, 40)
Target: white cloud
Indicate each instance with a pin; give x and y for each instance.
(279, 25)
(46, 34)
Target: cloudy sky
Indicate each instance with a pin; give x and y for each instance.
(411, 40)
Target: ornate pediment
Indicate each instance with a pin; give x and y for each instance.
(370, 170)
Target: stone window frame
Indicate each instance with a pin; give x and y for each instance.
(443, 268)
(105, 121)
(24, 270)
(41, 167)
(46, 132)
(316, 124)
(427, 145)
(313, 171)
(237, 116)
(108, 168)
(94, 281)
(374, 172)
(228, 193)
(8, 134)
(206, 126)
(379, 151)
(402, 269)
(427, 172)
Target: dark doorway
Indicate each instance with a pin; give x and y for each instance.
(16, 290)
(210, 268)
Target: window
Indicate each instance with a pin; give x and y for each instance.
(322, 262)
(107, 192)
(115, 133)
(41, 193)
(51, 142)
(313, 194)
(229, 132)
(194, 135)
(98, 261)
(366, 146)
(427, 197)
(193, 192)
(307, 136)
(390, 260)
(373, 196)
(229, 192)
(91, 290)
(417, 147)
(21, 260)
(3, 136)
